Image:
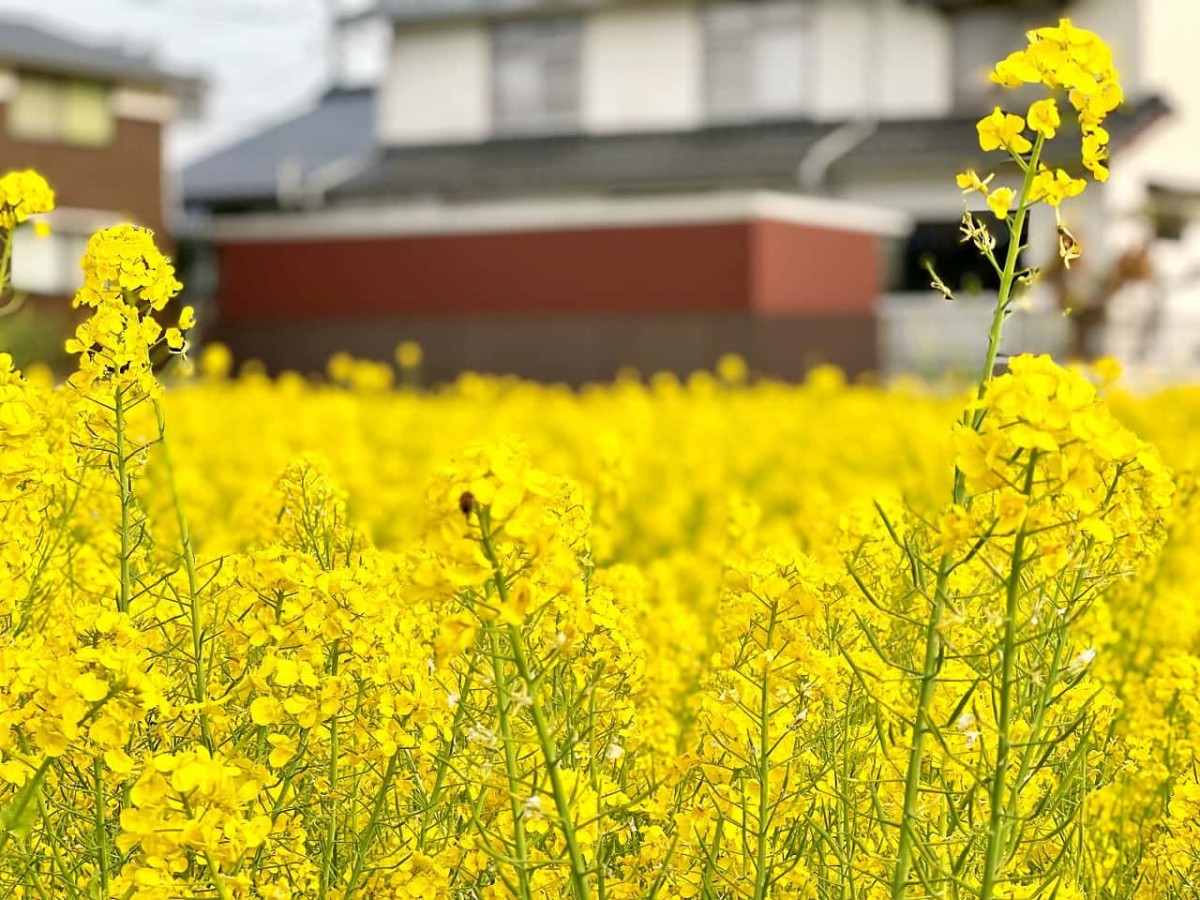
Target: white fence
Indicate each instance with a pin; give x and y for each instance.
(928, 335)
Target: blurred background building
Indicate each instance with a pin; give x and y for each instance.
(91, 118)
(561, 187)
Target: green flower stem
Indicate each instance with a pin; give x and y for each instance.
(101, 826)
(761, 880)
(579, 873)
(1008, 276)
(503, 707)
(994, 859)
(931, 666)
(6, 261)
(580, 882)
(329, 863)
(922, 725)
(368, 836)
(199, 676)
(18, 807)
(443, 763)
(126, 495)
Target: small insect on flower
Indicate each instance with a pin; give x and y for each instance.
(466, 503)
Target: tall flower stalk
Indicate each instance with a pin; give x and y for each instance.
(1063, 59)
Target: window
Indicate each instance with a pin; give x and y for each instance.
(61, 110)
(757, 59)
(47, 265)
(536, 75)
(958, 264)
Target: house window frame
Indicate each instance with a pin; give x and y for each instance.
(65, 98)
(63, 248)
(567, 44)
(763, 17)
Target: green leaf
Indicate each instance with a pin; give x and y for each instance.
(18, 817)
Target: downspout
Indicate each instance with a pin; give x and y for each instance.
(332, 174)
(813, 169)
(832, 146)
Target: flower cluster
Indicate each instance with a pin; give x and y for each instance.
(23, 194)
(1076, 61)
(126, 280)
(1064, 59)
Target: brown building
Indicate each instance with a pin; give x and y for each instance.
(557, 187)
(91, 119)
(561, 290)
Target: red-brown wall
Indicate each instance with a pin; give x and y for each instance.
(765, 267)
(124, 176)
(593, 271)
(804, 270)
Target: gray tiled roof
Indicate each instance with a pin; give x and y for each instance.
(437, 10)
(751, 155)
(341, 126)
(708, 157)
(45, 47)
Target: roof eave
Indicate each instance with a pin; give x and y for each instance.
(428, 12)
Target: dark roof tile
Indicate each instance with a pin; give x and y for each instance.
(45, 47)
(340, 126)
(749, 155)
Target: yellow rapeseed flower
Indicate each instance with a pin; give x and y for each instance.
(1000, 201)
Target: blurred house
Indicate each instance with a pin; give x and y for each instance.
(91, 119)
(560, 186)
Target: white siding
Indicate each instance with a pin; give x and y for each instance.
(643, 69)
(914, 61)
(923, 198)
(1168, 50)
(438, 86)
(1119, 22)
(844, 36)
(1165, 53)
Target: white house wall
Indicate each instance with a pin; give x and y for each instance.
(643, 69)
(914, 61)
(1119, 22)
(846, 41)
(1169, 47)
(438, 86)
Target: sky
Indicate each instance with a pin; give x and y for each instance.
(263, 59)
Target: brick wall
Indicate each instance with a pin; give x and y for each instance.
(125, 176)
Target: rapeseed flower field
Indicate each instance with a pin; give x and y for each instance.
(713, 638)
